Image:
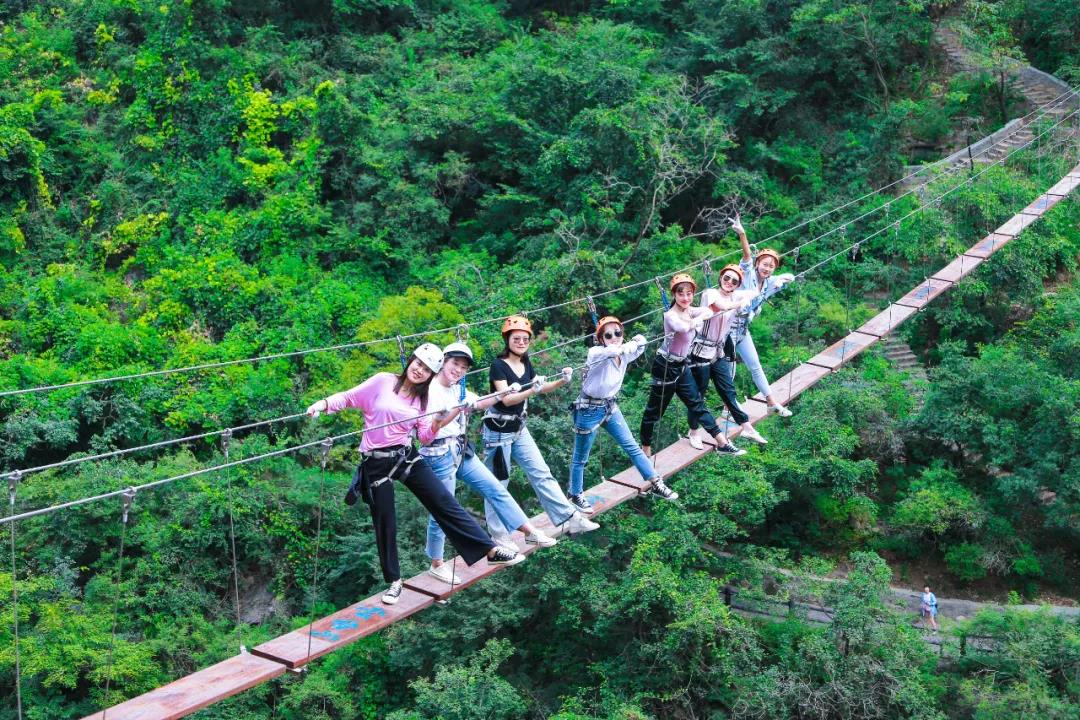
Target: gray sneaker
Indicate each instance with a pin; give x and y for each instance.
(662, 491)
(582, 505)
(390, 597)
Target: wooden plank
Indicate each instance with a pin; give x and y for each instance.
(887, 320)
(1042, 204)
(343, 627)
(1014, 225)
(194, 692)
(924, 292)
(958, 269)
(466, 575)
(1065, 186)
(843, 351)
(991, 243)
(794, 383)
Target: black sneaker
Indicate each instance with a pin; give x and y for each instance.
(662, 491)
(504, 556)
(579, 502)
(730, 449)
(390, 597)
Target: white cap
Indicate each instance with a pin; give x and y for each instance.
(458, 349)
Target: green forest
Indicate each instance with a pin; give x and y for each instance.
(191, 182)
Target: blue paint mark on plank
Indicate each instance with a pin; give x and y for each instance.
(326, 635)
(366, 612)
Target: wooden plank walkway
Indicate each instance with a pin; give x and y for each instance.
(301, 646)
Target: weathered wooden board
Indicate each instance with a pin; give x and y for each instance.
(887, 320)
(790, 386)
(343, 627)
(924, 293)
(958, 269)
(194, 692)
(843, 351)
(990, 244)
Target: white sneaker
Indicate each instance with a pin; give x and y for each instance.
(780, 410)
(390, 597)
(444, 572)
(750, 433)
(695, 439)
(578, 523)
(540, 539)
(505, 541)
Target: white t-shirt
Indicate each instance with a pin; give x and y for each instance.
(605, 375)
(441, 397)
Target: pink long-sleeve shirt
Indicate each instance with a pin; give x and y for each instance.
(679, 330)
(375, 397)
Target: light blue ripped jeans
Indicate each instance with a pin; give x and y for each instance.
(748, 354)
(586, 426)
(521, 448)
(448, 468)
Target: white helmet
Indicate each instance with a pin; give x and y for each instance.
(430, 355)
(458, 349)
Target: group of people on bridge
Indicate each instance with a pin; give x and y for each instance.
(428, 401)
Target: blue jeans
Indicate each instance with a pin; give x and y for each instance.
(448, 467)
(748, 354)
(521, 448)
(586, 424)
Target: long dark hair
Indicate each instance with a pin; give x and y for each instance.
(421, 390)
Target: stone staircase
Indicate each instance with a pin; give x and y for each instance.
(900, 356)
(1041, 92)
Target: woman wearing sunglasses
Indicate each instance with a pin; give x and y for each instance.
(712, 353)
(506, 435)
(595, 407)
(670, 374)
(387, 455)
(757, 277)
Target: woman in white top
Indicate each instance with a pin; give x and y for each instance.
(758, 277)
(596, 407)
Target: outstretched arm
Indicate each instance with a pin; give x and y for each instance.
(737, 226)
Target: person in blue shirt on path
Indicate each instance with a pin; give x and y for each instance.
(928, 608)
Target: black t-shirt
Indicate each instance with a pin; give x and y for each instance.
(501, 370)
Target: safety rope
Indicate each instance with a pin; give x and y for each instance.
(13, 485)
(324, 456)
(127, 497)
(798, 323)
(1040, 111)
(226, 437)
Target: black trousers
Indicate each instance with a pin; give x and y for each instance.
(671, 379)
(720, 372)
(462, 530)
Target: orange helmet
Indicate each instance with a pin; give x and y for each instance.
(767, 253)
(516, 322)
(606, 320)
(732, 268)
(681, 278)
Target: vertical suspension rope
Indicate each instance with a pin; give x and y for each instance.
(798, 321)
(127, 498)
(326, 446)
(226, 437)
(847, 302)
(401, 352)
(13, 484)
(590, 304)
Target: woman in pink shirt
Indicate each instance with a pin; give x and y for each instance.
(670, 371)
(392, 406)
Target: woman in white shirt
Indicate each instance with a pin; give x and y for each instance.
(596, 407)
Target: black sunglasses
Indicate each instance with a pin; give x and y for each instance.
(730, 279)
(611, 334)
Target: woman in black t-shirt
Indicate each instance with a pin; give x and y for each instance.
(506, 436)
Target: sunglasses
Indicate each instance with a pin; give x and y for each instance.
(734, 279)
(611, 334)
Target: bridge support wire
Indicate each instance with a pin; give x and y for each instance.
(13, 484)
(226, 438)
(127, 498)
(327, 444)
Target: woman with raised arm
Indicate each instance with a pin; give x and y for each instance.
(757, 277)
(452, 457)
(670, 374)
(506, 435)
(596, 407)
(712, 353)
(392, 406)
